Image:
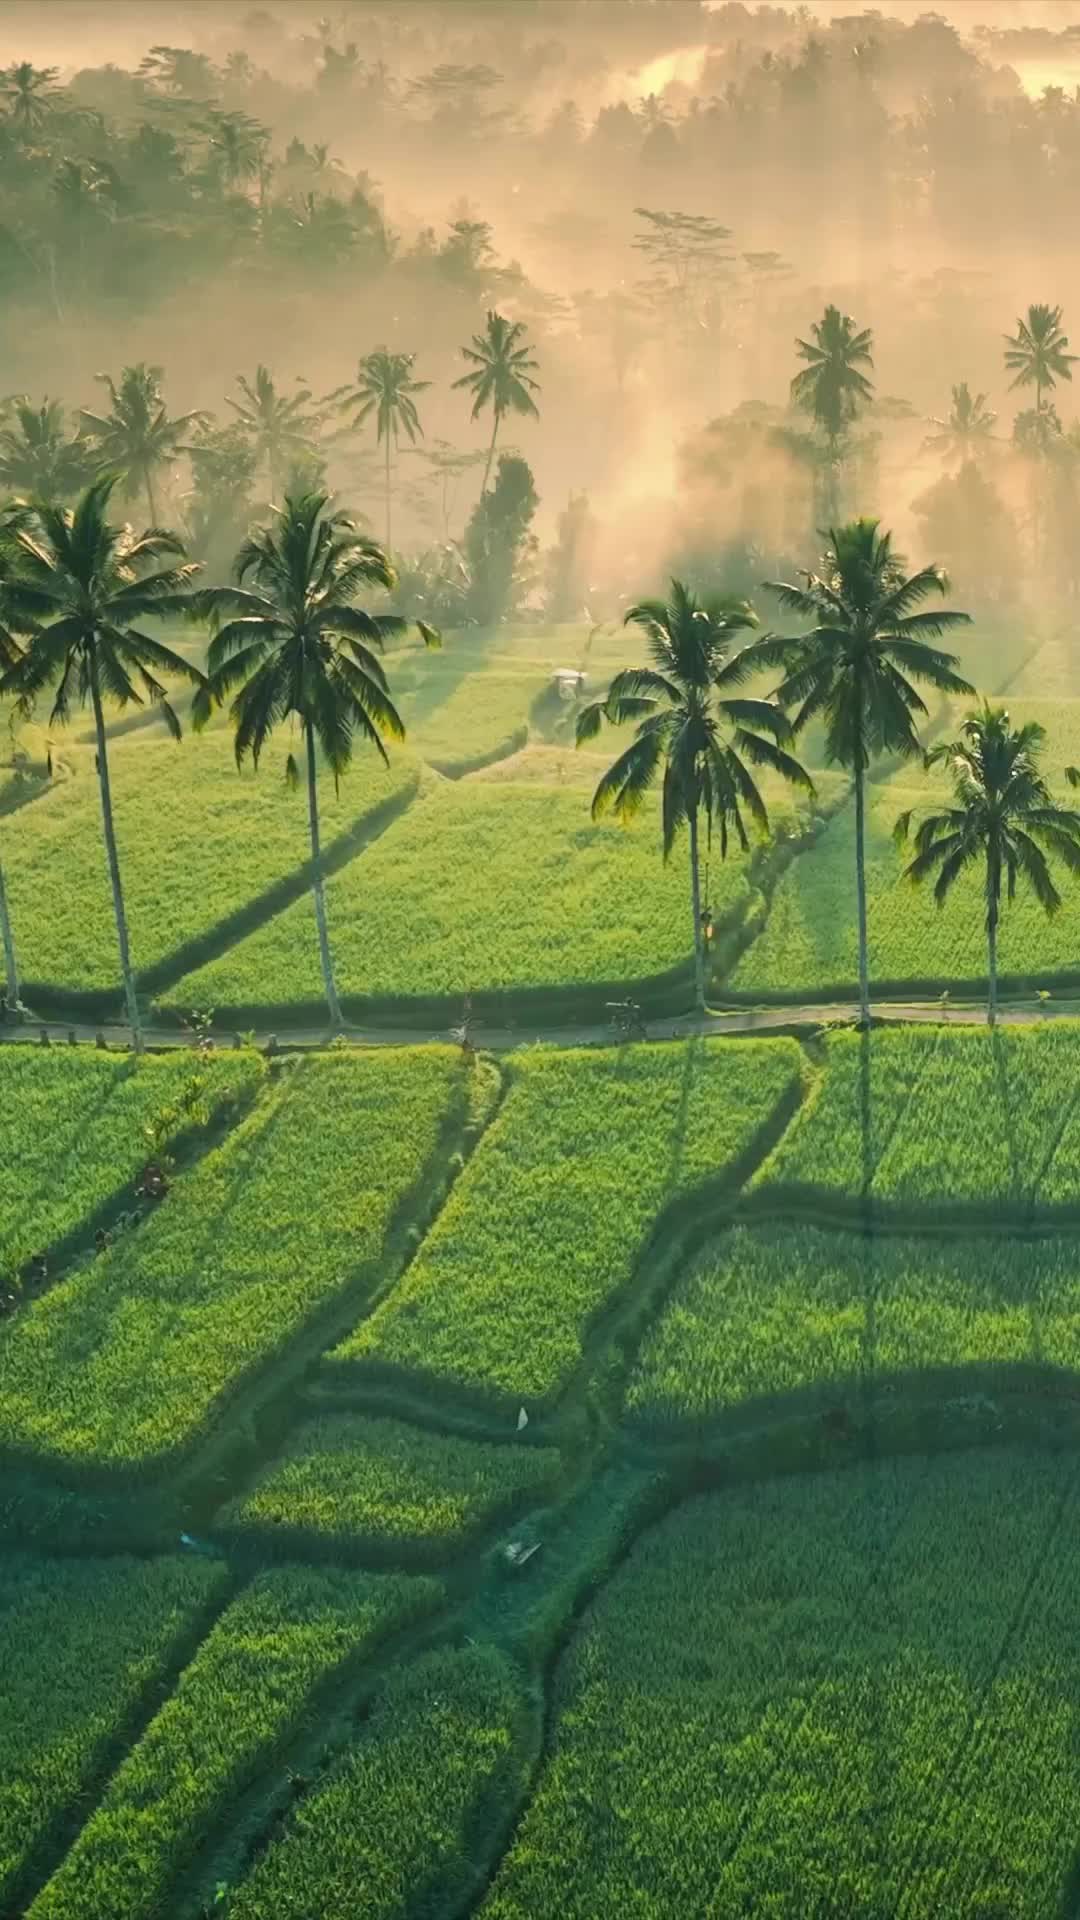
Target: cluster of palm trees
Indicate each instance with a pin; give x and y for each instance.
(137, 437)
(867, 640)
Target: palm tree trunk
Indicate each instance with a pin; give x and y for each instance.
(150, 496)
(10, 967)
(272, 465)
(695, 895)
(114, 865)
(491, 453)
(318, 889)
(860, 893)
(991, 958)
(388, 493)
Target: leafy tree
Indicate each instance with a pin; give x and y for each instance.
(569, 564)
(854, 668)
(695, 730)
(220, 505)
(29, 93)
(963, 518)
(685, 249)
(501, 368)
(1003, 818)
(385, 387)
(1038, 352)
(237, 144)
(831, 385)
(498, 543)
(281, 427)
(38, 459)
(291, 640)
(81, 585)
(137, 435)
(967, 428)
(445, 465)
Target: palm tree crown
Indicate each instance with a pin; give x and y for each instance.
(1003, 816)
(137, 435)
(385, 387)
(854, 668)
(281, 427)
(967, 427)
(831, 385)
(501, 369)
(38, 459)
(1038, 352)
(30, 93)
(693, 728)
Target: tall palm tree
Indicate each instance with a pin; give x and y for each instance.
(855, 666)
(1002, 817)
(966, 429)
(281, 427)
(80, 586)
(500, 376)
(291, 639)
(37, 458)
(1038, 352)
(10, 651)
(831, 385)
(30, 95)
(137, 436)
(385, 387)
(693, 728)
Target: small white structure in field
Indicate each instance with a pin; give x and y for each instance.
(568, 681)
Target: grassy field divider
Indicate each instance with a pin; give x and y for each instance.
(736, 931)
(476, 762)
(274, 1661)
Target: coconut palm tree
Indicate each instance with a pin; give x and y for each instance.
(137, 436)
(385, 387)
(80, 586)
(500, 376)
(281, 427)
(290, 639)
(1003, 818)
(10, 651)
(831, 386)
(693, 729)
(855, 667)
(966, 429)
(37, 458)
(1038, 352)
(29, 93)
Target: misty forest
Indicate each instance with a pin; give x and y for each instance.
(540, 926)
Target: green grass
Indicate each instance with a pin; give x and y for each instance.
(348, 1477)
(809, 943)
(855, 1694)
(132, 1359)
(245, 1693)
(543, 1229)
(479, 887)
(454, 720)
(773, 1310)
(397, 1830)
(198, 841)
(74, 1132)
(81, 1642)
(938, 1116)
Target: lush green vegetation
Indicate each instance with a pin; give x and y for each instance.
(543, 1229)
(941, 1115)
(251, 1682)
(82, 1642)
(400, 1811)
(772, 1310)
(76, 1127)
(198, 842)
(131, 1359)
(353, 1477)
(854, 1693)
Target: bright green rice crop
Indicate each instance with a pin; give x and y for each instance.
(941, 1115)
(73, 1131)
(809, 943)
(198, 840)
(771, 1310)
(454, 719)
(131, 1359)
(856, 1694)
(353, 1476)
(543, 1228)
(80, 1643)
(392, 1832)
(251, 1682)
